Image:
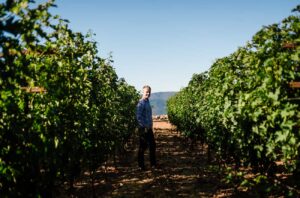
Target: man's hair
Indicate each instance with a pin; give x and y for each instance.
(147, 87)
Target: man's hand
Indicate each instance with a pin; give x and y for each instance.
(143, 131)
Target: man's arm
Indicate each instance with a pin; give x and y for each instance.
(139, 114)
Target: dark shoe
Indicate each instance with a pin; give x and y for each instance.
(142, 168)
(155, 166)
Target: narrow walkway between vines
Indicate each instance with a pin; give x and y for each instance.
(183, 172)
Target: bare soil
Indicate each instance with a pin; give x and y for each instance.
(182, 173)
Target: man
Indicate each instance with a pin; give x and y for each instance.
(144, 118)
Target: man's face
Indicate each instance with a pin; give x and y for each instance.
(146, 93)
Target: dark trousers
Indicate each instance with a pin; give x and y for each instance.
(146, 140)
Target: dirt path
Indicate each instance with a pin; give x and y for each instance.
(182, 174)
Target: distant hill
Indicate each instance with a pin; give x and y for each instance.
(158, 102)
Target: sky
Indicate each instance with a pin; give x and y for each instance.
(162, 43)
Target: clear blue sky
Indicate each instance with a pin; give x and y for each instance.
(162, 43)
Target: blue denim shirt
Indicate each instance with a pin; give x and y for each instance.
(144, 113)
